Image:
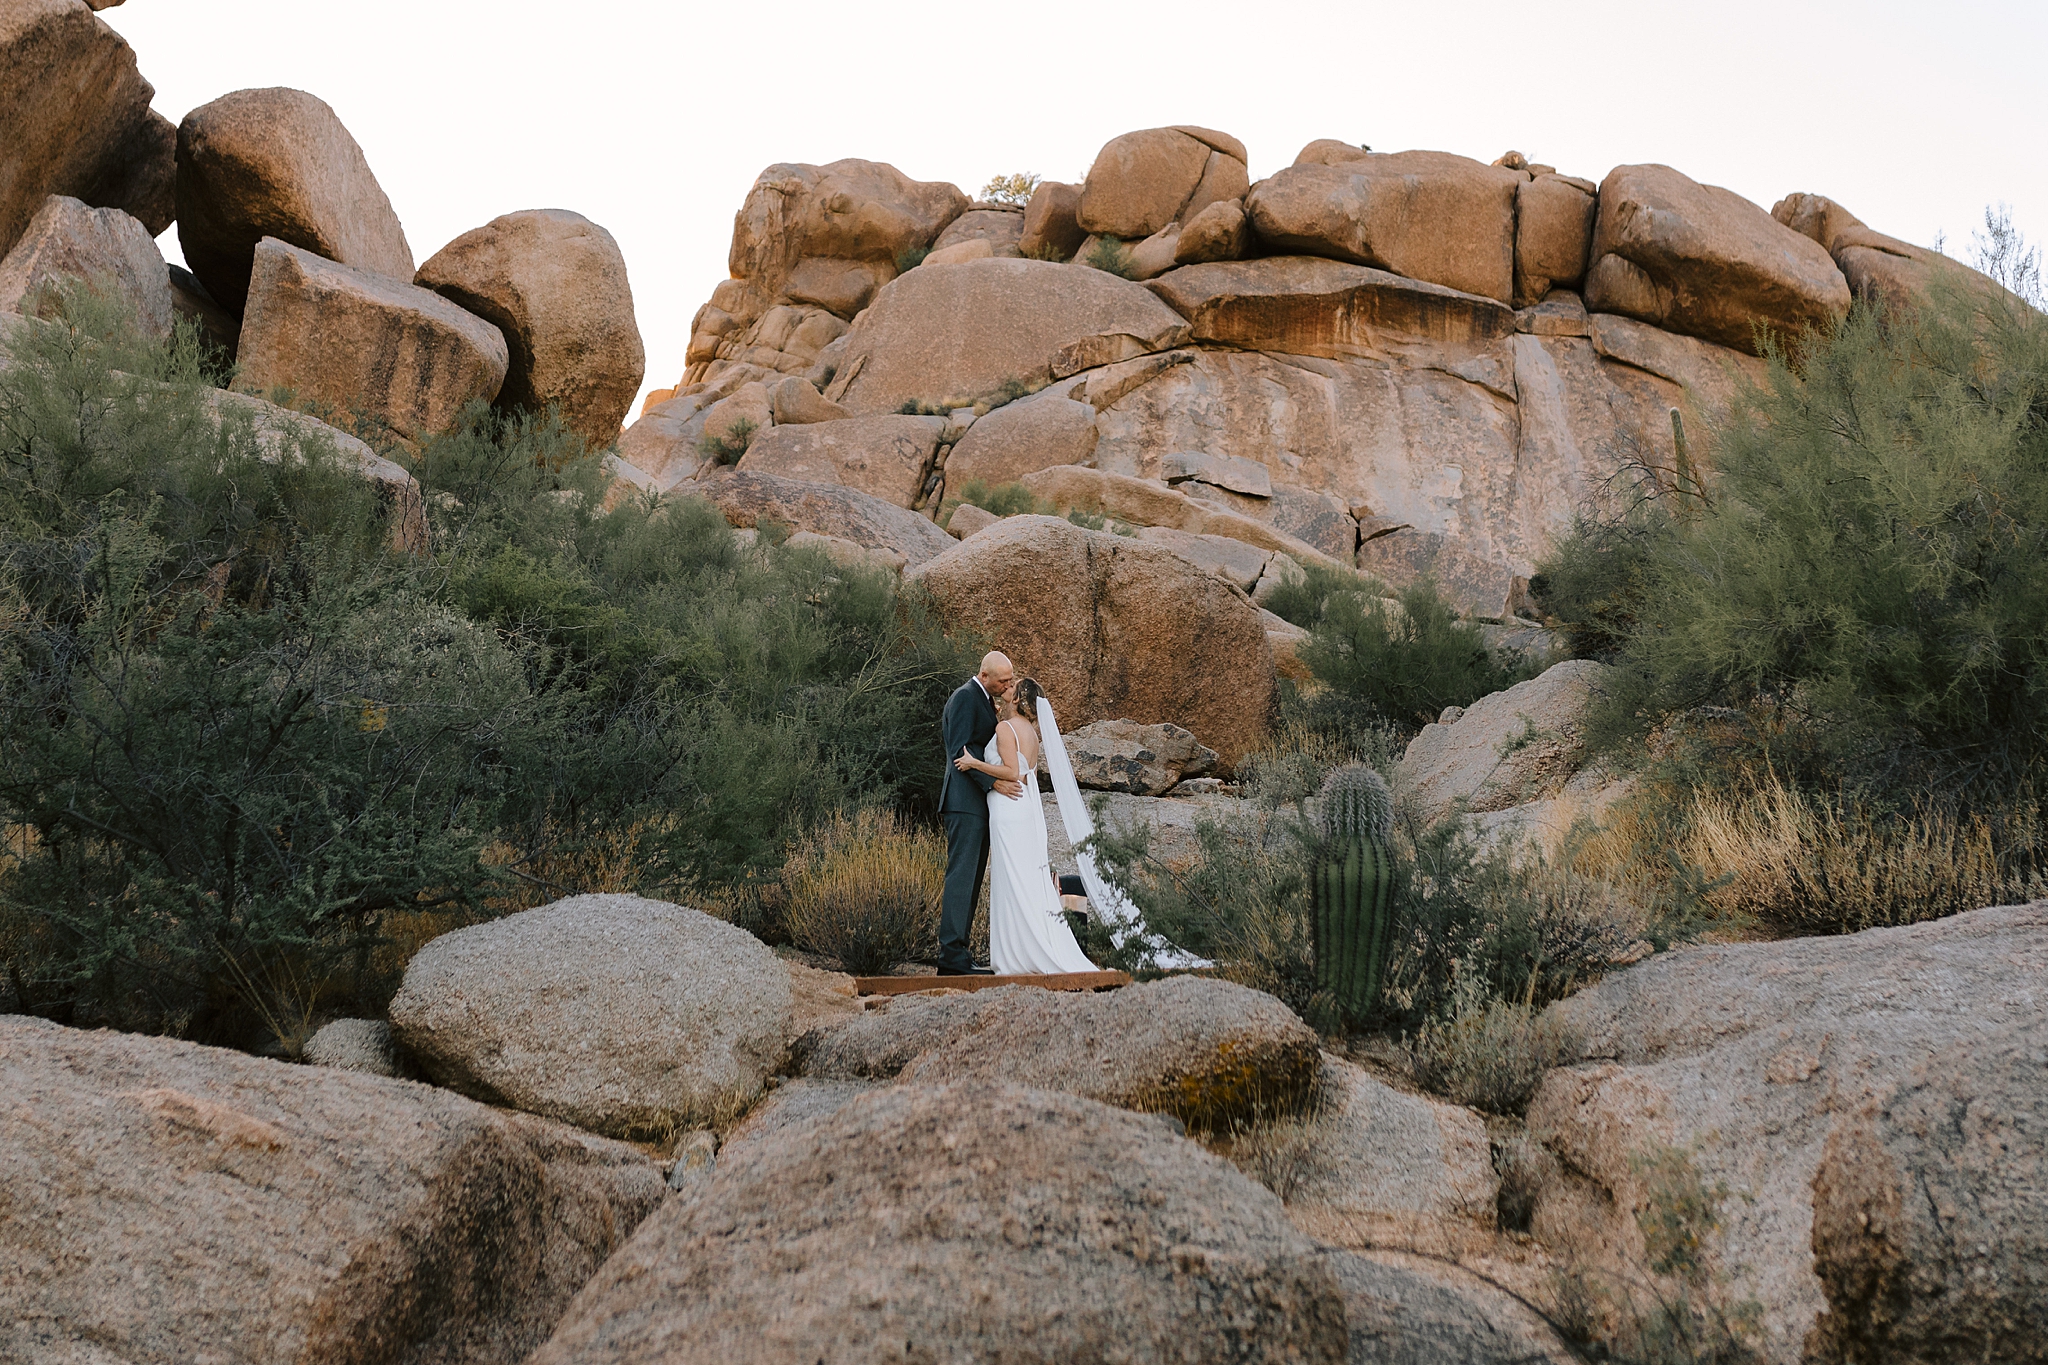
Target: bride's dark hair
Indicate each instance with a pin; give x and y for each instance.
(1026, 695)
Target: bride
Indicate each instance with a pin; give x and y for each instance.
(1026, 932)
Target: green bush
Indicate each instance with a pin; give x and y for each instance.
(865, 889)
(1406, 660)
(728, 446)
(1111, 257)
(244, 747)
(1863, 584)
(1490, 1054)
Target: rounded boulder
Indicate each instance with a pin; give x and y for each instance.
(1114, 627)
(619, 1014)
(961, 1223)
(555, 284)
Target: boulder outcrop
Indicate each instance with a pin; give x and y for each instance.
(1109, 625)
(999, 225)
(363, 1045)
(951, 335)
(363, 343)
(1208, 1052)
(76, 110)
(747, 499)
(278, 163)
(1704, 261)
(1143, 760)
(960, 1223)
(1879, 268)
(1143, 181)
(168, 1202)
(888, 457)
(1507, 749)
(1431, 216)
(619, 1014)
(1144, 502)
(554, 283)
(1873, 1106)
(104, 250)
(1307, 305)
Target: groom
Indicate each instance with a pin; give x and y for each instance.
(967, 726)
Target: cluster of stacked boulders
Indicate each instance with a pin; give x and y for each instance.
(1409, 363)
(299, 268)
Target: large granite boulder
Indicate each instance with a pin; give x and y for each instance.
(999, 225)
(1022, 438)
(1140, 182)
(1553, 235)
(1431, 216)
(1113, 627)
(77, 119)
(957, 1223)
(555, 284)
(952, 335)
(1878, 268)
(615, 1013)
(1875, 1107)
(1506, 749)
(1147, 502)
(1408, 1310)
(278, 163)
(1142, 760)
(363, 343)
(748, 499)
(169, 1203)
(1702, 260)
(1209, 1052)
(888, 457)
(1052, 228)
(105, 250)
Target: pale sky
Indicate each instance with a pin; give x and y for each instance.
(654, 118)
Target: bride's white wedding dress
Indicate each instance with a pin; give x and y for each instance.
(1026, 932)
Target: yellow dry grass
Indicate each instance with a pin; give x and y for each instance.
(865, 888)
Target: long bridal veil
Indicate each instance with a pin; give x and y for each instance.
(1108, 900)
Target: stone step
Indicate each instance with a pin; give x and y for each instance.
(1052, 981)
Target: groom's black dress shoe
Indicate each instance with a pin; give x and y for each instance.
(972, 969)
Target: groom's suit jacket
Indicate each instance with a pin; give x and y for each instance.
(969, 723)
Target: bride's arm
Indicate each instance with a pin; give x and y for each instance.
(1006, 746)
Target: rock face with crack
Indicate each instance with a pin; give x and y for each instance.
(1874, 1105)
(167, 1203)
(964, 1222)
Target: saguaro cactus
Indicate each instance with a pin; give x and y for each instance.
(1351, 888)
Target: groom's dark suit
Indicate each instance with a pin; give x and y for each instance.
(967, 726)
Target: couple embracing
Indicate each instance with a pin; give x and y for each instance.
(995, 826)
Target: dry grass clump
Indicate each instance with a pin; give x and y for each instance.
(865, 888)
(1800, 865)
(1763, 855)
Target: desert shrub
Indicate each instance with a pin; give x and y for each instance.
(232, 727)
(1487, 1053)
(910, 258)
(1010, 189)
(1111, 257)
(865, 888)
(246, 751)
(1045, 251)
(1304, 600)
(1407, 661)
(1003, 500)
(1863, 587)
(728, 446)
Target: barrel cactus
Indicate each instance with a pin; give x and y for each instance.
(1352, 888)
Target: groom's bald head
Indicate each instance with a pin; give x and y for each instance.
(996, 673)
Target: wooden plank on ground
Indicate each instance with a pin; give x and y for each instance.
(1051, 981)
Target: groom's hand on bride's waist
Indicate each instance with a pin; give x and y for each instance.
(1013, 790)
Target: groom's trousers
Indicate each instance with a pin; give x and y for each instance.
(966, 866)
